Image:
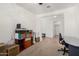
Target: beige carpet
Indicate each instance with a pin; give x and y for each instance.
(47, 47)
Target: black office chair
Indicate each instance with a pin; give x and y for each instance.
(61, 41)
(66, 47)
(60, 38)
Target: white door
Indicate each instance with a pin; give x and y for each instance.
(57, 30)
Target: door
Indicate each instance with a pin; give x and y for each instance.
(57, 30)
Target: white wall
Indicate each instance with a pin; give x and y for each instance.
(71, 22)
(45, 25)
(58, 22)
(10, 15)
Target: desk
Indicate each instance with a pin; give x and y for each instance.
(73, 45)
(72, 41)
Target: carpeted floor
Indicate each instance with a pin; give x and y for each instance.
(47, 47)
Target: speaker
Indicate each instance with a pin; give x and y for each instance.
(18, 26)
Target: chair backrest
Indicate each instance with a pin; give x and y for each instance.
(63, 42)
(60, 37)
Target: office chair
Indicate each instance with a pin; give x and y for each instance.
(61, 41)
(66, 46)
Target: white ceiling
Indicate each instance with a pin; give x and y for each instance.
(41, 9)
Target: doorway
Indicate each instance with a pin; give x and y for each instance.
(57, 29)
(58, 24)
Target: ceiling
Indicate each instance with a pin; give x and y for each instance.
(45, 7)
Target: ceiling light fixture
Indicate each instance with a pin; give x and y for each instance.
(47, 6)
(54, 16)
(40, 3)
